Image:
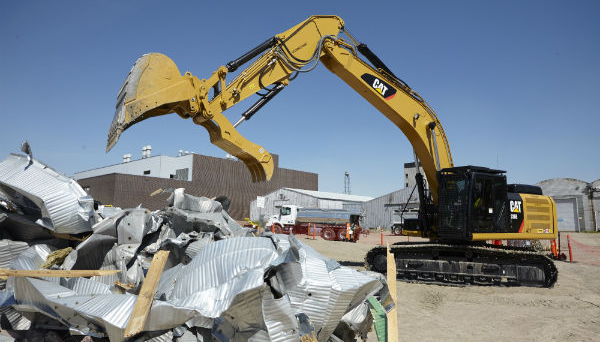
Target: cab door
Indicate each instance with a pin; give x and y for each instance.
(488, 203)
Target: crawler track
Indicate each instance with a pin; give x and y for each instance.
(460, 265)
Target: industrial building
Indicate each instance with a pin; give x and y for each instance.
(305, 198)
(130, 183)
(384, 210)
(577, 203)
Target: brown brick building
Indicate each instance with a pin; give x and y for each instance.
(210, 177)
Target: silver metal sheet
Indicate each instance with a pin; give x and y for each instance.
(222, 288)
(64, 205)
(10, 249)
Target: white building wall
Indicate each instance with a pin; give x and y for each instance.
(410, 171)
(596, 203)
(567, 188)
(277, 198)
(159, 166)
(330, 204)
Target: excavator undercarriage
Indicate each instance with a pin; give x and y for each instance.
(461, 264)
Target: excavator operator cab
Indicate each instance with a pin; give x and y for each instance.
(472, 199)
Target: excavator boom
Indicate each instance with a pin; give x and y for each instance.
(155, 87)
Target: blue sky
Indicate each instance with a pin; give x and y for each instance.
(514, 83)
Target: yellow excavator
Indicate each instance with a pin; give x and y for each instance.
(462, 207)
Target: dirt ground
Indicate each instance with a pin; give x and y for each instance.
(570, 311)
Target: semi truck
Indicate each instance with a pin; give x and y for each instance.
(330, 224)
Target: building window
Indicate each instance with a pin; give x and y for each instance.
(147, 172)
(407, 184)
(406, 175)
(182, 174)
(171, 176)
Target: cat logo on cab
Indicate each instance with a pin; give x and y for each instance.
(384, 89)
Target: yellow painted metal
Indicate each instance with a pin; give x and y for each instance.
(155, 87)
(539, 221)
(412, 233)
(409, 114)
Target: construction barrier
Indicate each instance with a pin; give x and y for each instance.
(570, 251)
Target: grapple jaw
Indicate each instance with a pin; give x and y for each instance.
(155, 87)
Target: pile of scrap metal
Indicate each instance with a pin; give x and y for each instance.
(220, 282)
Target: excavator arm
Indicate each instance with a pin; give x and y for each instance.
(155, 87)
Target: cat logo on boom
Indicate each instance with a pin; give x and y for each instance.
(382, 87)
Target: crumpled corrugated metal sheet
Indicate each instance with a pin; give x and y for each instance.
(127, 240)
(64, 207)
(220, 283)
(227, 287)
(9, 250)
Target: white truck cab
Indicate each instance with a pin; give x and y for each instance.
(287, 216)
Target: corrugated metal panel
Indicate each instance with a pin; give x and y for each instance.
(330, 204)
(333, 195)
(17, 321)
(65, 206)
(224, 281)
(10, 249)
(380, 211)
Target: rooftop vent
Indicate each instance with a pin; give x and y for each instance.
(146, 151)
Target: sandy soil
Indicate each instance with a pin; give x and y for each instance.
(570, 311)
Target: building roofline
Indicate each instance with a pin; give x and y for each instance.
(333, 195)
(133, 161)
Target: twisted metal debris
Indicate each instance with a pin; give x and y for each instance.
(221, 283)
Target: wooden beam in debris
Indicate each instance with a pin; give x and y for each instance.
(392, 315)
(55, 273)
(146, 296)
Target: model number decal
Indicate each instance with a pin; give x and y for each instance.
(382, 87)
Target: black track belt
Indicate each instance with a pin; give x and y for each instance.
(461, 265)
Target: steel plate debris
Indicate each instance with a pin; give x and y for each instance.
(220, 281)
